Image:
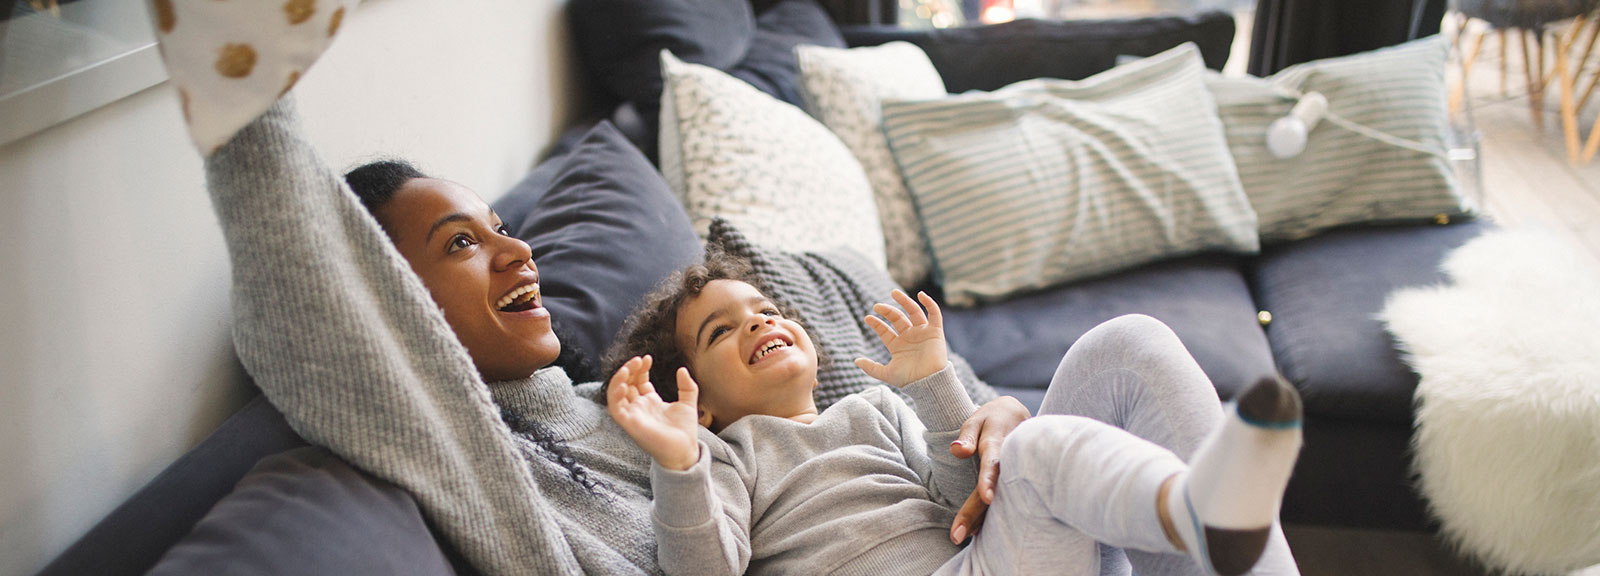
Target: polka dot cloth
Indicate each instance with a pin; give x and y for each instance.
(231, 60)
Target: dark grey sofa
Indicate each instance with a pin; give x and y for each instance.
(1322, 294)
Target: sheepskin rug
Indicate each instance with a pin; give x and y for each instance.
(1508, 410)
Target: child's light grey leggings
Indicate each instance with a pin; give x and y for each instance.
(1126, 398)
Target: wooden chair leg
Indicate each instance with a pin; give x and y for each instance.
(1530, 77)
(1583, 62)
(1571, 37)
(1503, 61)
(1569, 114)
(1467, 61)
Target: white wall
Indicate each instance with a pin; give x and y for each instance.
(115, 355)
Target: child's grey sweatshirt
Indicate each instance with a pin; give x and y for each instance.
(343, 338)
(867, 488)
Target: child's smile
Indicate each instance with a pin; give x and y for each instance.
(746, 357)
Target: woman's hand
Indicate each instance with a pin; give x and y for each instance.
(666, 431)
(981, 435)
(915, 340)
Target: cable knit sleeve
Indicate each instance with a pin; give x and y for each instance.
(344, 339)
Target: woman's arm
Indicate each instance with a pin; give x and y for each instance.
(343, 338)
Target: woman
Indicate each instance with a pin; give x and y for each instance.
(390, 372)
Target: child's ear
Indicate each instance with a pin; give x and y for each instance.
(705, 417)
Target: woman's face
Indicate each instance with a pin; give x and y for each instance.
(482, 278)
(746, 357)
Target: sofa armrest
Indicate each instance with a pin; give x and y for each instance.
(991, 56)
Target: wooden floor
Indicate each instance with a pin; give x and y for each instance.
(1526, 181)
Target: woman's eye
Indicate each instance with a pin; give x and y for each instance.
(460, 241)
(502, 230)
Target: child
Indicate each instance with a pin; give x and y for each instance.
(748, 475)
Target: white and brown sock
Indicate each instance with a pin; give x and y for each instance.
(1224, 506)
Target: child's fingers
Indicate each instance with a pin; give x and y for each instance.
(617, 390)
(688, 390)
(884, 331)
(875, 370)
(912, 309)
(935, 315)
(895, 317)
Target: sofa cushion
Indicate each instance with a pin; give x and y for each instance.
(1017, 343)
(1324, 294)
(620, 42)
(1050, 181)
(989, 57)
(134, 536)
(729, 151)
(770, 65)
(604, 230)
(305, 511)
(833, 291)
(1345, 177)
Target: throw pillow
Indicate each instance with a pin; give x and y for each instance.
(1048, 181)
(1344, 177)
(305, 511)
(845, 89)
(730, 151)
(620, 42)
(604, 229)
(833, 290)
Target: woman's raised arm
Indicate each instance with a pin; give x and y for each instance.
(344, 339)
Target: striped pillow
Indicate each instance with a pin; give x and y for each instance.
(1048, 181)
(1343, 177)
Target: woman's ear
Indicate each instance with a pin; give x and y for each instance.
(705, 417)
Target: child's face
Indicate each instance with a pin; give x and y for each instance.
(746, 357)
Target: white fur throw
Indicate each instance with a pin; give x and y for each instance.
(1508, 410)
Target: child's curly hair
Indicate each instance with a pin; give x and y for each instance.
(653, 326)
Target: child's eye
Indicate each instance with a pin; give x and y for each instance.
(715, 332)
(772, 312)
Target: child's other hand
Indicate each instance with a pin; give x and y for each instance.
(666, 431)
(915, 340)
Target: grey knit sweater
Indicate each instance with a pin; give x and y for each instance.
(868, 488)
(344, 339)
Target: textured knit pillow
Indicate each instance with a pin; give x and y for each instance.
(845, 89)
(833, 290)
(1344, 177)
(1048, 181)
(604, 230)
(730, 151)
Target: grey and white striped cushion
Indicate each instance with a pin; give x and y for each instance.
(1048, 181)
(1343, 177)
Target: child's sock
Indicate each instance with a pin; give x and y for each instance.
(1224, 506)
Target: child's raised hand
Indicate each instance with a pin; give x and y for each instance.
(665, 430)
(915, 340)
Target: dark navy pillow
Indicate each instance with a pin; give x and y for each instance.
(620, 42)
(770, 65)
(305, 511)
(604, 229)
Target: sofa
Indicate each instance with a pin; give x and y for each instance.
(255, 492)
